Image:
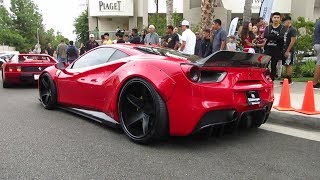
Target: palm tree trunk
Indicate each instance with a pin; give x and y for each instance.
(206, 13)
(247, 12)
(169, 11)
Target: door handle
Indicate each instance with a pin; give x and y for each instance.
(93, 80)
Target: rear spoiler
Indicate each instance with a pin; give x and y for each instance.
(235, 59)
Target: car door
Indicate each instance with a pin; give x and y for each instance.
(102, 86)
(76, 83)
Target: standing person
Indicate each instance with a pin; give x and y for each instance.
(72, 52)
(188, 38)
(258, 41)
(102, 40)
(198, 43)
(134, 38)
(126, 38)
(107, 39)
(205, 44)
(171, 40)
(152, 38)
(120, 38)
(219, 37)
(290, 38)
(144, 32)
(62, 51)
(176, 30)
(49, 50)
(247, 37)
(232, 45)
(91, 43)
(261, 24)
(82, 49)
(316, 47)
(274, 35)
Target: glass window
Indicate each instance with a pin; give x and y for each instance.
(95, 57)
(118, 55)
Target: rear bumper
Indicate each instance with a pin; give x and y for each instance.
(192, 107)
(20, 77)
(222, 117)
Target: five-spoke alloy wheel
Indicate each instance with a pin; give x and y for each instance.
(143, 113)
(47, 91)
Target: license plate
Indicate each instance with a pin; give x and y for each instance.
(36, 77)
(253, 98)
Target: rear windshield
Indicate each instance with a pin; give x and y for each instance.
(31, 58)
(167, 52)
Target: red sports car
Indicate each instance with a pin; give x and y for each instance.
(25, 68)
(152, 92)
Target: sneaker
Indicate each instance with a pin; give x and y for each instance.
(317, 86)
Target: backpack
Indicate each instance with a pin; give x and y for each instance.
(72, 51)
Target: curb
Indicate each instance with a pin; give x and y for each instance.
(294, 119)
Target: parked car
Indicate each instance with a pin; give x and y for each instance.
(152, 92)
(24, 68)
(5, 56)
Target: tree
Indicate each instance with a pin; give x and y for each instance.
(169, 4)
(82, 27)
(8, 35)
(206, 13)
(26, 20)
(247, 12)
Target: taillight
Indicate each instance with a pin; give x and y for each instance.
(13, 68)
(267, 75)
(192, 72)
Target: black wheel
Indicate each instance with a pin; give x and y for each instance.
(4, 83)
(47, 91)
(143, 113)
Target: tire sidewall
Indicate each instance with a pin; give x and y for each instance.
(160, 126)
(53, 99)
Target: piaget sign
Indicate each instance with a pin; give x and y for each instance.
(110, 8)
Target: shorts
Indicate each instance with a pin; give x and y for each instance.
(290, 61)
(317, 49)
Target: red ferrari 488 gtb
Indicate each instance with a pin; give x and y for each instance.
(152, 92)
(25, 68)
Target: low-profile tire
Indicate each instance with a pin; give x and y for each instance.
(4, 83)
(47, 91)
(143, 113)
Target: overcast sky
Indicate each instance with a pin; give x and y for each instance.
(60, 14)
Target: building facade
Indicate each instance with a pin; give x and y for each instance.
(109, 15)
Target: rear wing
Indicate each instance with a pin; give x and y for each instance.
(235, 59)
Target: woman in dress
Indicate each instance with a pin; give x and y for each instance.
(247, 37)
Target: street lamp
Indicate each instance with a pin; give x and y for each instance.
(38, 35)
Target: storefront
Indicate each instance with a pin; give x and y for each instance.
(109, 15)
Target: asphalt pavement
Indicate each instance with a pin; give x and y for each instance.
(39, 144)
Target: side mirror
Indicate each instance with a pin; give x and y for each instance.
(61, 65)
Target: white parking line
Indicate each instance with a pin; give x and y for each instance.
(305, 134)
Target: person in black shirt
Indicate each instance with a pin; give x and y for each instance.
(91, 43)
(120, 37)
(134, 39)
(171, 40)
(205, 47)
(274, 35)
(49, 50)
(290, 38)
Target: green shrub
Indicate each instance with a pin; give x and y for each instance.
(304, 69)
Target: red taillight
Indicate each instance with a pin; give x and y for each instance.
(192, 72)
(267, 75)
(13, 68)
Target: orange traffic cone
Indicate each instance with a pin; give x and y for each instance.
(308, 106)
(285, 102)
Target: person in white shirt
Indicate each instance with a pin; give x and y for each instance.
(188, 38)
(232, 45)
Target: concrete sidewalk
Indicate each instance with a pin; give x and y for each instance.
(291, 118)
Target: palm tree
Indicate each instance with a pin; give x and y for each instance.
(169, 11)
(206, 13)
(247, 12)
